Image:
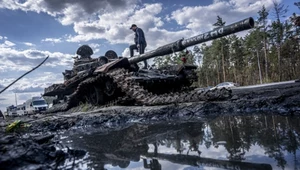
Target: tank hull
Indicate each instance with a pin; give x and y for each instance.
(113, 80)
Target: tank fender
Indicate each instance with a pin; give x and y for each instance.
(119, 63)
(188, 71)
(181, 68)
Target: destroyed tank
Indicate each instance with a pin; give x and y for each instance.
(111, 79)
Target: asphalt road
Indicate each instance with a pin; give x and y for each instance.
(292, 82)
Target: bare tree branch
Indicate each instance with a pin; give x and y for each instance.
(24, 75)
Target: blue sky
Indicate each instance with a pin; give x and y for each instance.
(30, 30)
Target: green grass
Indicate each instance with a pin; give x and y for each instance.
(84, 107)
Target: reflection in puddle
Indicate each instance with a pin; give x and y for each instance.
(228, 142)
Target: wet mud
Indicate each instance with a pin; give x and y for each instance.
(35, 143)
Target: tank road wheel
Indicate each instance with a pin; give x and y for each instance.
(94, 96)
(109, 87)
(110, 54)
(97, 96)
(102, 60)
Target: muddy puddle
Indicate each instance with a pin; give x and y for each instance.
(225, 142)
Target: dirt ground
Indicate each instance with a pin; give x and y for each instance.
(30, 142)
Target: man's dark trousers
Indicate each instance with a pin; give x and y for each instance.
(141, 50)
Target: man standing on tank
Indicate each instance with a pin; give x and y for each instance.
(140, 42)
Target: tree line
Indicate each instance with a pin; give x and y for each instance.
(268, 53)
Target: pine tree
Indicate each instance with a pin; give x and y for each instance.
(262, 19)
(279, 11)
(220, 23)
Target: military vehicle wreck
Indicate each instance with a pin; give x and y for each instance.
(113, 79)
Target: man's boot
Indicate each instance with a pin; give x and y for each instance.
(145, 65)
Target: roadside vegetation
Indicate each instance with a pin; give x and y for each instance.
(268, 53)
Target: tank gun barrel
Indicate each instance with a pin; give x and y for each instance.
(181, 44)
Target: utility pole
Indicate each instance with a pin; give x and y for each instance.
(16, 99)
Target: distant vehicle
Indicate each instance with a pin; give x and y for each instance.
(11, 110)
(203, 88)
(35, 105)
(21, 109)
(225, 85)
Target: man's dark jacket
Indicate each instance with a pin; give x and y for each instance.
(140, 37)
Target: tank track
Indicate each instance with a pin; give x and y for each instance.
(143, 97)
(133, 91)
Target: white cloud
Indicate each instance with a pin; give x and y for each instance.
(114, 26)
(26, 87)
(94, 45)
(96, 50)
(3, 37)
(35, 83)
(29, 44)
(7, 44)
(230, 11)
(110, 20)
(69, 12)
(126, 52)
(53, 40)
(14, 60)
